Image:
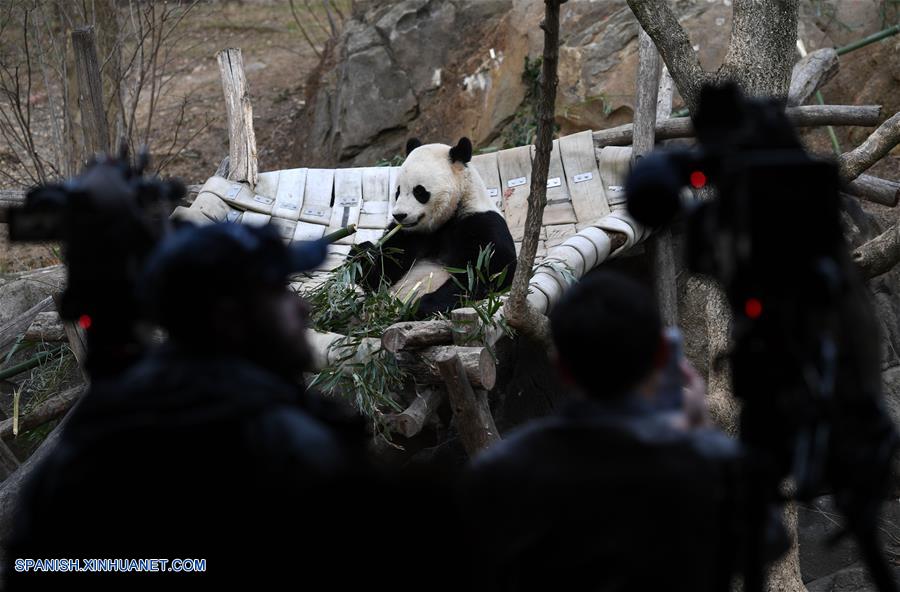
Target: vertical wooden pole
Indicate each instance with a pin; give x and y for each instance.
(471, 410)
(645, 114)
(241, 137)
(90, 92)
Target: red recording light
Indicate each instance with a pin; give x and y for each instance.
(84, 322)
(753, 308)
(698, 180)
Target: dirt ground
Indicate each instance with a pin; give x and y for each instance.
(277, 61)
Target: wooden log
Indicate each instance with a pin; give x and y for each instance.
(242, 160)
(416, 334)
(53, 408)
(46, 326)
(77, 340)
(11, 331)
(471, 410)
(328, 349)
(875, 189)
(411, 421)
(811, 73)
(876, 147)
(8, 461)
(90, 88)
(12, 486)
(479, 364)
(805, 116)
(880, 254)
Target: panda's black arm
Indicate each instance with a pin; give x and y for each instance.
(397, 256)
(463, 243)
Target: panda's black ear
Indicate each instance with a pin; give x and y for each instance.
(462, 152)
(412, 144)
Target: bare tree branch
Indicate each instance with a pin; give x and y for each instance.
(674, 45)
(518, 313)
(876, 147)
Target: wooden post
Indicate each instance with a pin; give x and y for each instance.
(471, 411)
(241, 137)
(90, 91)
(661, 244)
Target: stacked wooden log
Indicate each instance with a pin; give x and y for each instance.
(450, 359)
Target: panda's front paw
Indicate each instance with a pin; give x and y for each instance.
(361, 248)
(429, 305)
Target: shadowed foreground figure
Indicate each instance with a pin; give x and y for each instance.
(211, 448)
(612, 493)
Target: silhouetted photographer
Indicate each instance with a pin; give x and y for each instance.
(617, 491)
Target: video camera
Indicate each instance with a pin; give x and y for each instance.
(108, 219)
(805, 354)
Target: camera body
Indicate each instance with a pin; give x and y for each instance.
(805, 351)
(108, 219)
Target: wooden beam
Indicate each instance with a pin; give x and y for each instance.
(875, 189)
(242, 163)
(11, 331)
(12, 486)
(876, 147)
(471, 411)
(805, 116)
(479, 364)
(90, 89)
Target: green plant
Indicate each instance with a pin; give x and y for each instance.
(477, 275)
(339, 305)
(523, 125)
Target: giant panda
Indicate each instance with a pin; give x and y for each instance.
(446, 217)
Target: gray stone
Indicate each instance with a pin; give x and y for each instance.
(375, 96)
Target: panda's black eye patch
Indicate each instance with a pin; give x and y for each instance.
(397, 196)
(421, 194)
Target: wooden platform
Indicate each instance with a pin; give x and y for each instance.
(584, 197)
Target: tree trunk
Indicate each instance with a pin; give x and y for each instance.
(759, 60)
(519, 313)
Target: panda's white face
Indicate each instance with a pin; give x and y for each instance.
(429, 188)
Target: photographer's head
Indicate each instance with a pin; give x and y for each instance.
(222, 288)
(608, 335)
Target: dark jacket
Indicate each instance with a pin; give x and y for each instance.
(603, 497)
(195, 456)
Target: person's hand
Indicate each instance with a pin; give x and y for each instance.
(695, 408)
